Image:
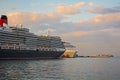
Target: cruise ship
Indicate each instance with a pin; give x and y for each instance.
(19, 43)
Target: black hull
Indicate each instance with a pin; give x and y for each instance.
(29, 54)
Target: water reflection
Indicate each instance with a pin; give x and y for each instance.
(61, 69)
(30, 69)
(92, 69)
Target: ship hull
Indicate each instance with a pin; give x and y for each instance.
(29, 54)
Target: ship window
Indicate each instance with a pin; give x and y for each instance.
(4, 47)
(11, 47)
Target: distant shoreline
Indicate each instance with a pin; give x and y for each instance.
(106, 56)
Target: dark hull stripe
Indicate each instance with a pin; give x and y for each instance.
(37, 58)
(29, 54)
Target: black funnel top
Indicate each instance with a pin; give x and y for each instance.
(3, 17)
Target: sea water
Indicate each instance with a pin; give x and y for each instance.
(61, 69)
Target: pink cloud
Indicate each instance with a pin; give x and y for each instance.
(76, 34)
(94, 8)
(102, 19)
(91, 4)
(107, 30)
(69, 9)
(99, 9)
(106, 18)
(32, 17)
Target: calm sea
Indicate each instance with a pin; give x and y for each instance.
(61, 69)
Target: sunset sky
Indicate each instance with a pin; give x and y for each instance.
(93, 26)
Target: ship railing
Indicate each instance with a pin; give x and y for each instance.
(19, 29)
(4, 46)
(1, 28)
(60, 49)
(45, 49)
(5, 28)
(12, 46)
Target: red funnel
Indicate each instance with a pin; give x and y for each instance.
(3, 19)
(1, 23)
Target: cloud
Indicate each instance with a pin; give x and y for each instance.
(107, 30)
(102, 10)
(94, 8)
(76, 34)
(53, 20)
(115, 9)
(106, 19)
(69, 9)
(32, 17)
(91, 4)
(62, 11)
(102, 20)
(45, 32)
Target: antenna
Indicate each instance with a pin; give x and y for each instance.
(21, 25)
(47, 31)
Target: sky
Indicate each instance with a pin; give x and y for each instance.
(93, 26)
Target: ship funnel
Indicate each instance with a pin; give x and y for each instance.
(3, 19)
